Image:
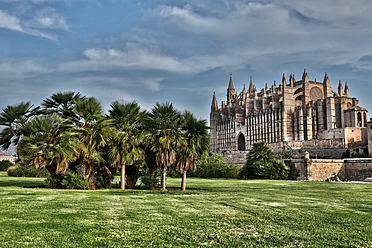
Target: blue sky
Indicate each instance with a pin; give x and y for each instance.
(179, 51)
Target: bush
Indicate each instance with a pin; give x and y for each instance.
(72, 180)
(26, 171)
(150, 181)
(261, 163)
(216, 167)
(293, 172)
(5, 164)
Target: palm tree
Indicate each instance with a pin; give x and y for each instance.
(61, 103)
(196, 146)
(48, 142)
(127, 120)
(14, 118)
(94, 135)
(165, 123)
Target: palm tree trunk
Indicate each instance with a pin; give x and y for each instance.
(52, 170)
(123, 176)
(90, 172)
(183, 183)
(164, 178)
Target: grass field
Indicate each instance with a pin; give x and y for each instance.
(225, 213)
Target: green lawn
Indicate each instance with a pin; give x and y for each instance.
(226, 213)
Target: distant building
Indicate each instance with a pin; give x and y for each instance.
(294, 114)
(7, 157)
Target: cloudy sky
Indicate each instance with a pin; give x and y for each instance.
(179, 51)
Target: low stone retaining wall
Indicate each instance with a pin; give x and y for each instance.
(354, 169)
(322, 169)
(358, 169)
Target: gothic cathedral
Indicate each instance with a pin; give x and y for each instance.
(287, 115)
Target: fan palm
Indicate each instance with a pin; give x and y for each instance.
(196, 145)
(165, 136)
(61, 103)
(93, 136)
(127, 120)
(48, 142)
(14, 118)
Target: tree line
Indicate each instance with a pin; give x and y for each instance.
(71, 132)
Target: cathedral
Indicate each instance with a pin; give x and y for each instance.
(289, 114)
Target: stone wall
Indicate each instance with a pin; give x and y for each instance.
(354, 169)
(322, 169)
(358, 169)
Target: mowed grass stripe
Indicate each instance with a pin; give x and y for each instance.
(226, 213)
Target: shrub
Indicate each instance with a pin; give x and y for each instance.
(5, 164)
(72, 180)
(346, 154)
(53, 183)
(26, 171)
(261, 163)
(150, 181)
(293, 172)
(216, 167)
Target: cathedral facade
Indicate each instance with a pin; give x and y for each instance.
(290, 113)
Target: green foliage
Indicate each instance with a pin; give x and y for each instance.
(14, 118)
(71, 131)
(53, 183)
(26, 171)
(293, 172)
(346, 154)
(216, 167)
(286, 155)
(261, 163)
(73, 180)
(150, 181)
(5, 164)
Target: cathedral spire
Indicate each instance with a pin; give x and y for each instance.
(327, 89)
(305, 77)
(340, 88)
(231, 86)
(250, 89)
(346, 89)
(284, 83)
(244, 91)
(326, 80)
(214, 106)
(291, 80)
(230, 91)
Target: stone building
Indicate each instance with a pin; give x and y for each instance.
(292, 114)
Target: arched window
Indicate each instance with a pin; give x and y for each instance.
(241, 142)
(365, 119)
(359, 119)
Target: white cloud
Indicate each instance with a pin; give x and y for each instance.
(48, 18)
(132, 57)
(8, 21)
(18, 70)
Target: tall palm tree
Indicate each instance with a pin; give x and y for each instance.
(196, 145)
(48, 142)
(127, 120)
(93, 136)
(61, 103)
(14, 118)
(165, 123)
